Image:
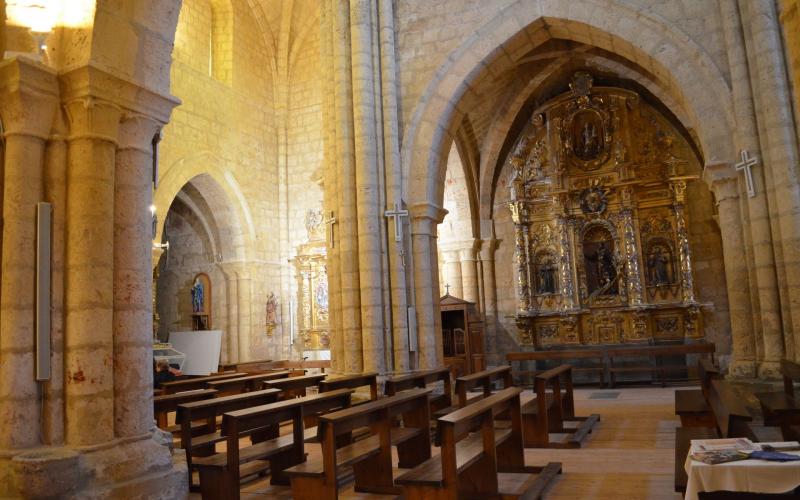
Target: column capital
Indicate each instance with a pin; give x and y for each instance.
(28, 97)
(136, 131)
(487, 249)
(90, 81)
(723, 180)
(425, 217)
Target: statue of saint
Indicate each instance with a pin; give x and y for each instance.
(547, 279)
(272, 309)
(588, 143)
(604, 269)
(197, 296)
(657, 264)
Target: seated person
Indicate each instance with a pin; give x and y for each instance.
(164, 373)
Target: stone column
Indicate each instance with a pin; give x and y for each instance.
(469, 275)
(244, 294)
(89, 270)
(368, 188)
(27, 105)
(424, 219)
(779, 147)
(453, 273)
(232, 328)
(722, 179)
(488, 248)
(133, 277)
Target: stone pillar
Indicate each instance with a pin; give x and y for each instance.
(779, 147)
(424, 219)
(722, 178)
(89, 270)
(27, 105)
(488, 248)
(133, 277)
(368, 187)
(232, 328)
(469, 275)
(453, 273)
(244, 294)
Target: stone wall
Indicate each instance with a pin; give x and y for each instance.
(790, 19)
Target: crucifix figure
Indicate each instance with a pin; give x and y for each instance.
(447, 289)
(330, 221)
(746, 164)
(398, 225)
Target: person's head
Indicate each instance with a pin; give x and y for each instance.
(162, 365)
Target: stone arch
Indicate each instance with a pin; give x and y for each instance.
(216, 203)
(684, 70)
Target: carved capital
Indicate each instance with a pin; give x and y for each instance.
(136, 131)
(28, 98)
(93, 118)
(723, 181)
(425, 217)
(488, 248)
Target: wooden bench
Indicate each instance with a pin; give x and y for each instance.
(248, 383)
(255, 366)
(194, 383)
(654, 355)
(691, 405)
(165, 404)
(485, 379)
(370, 458)
(782, 408)
(352, 382)
(220, 474)
(198, 421)
(477, 460)
(548, 411)
(599, 368)
(731, 419)
(294, 387)
(421, 380)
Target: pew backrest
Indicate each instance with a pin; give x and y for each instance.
(352, 382)
(245, 383)
(189, 384)
(485, 379)
(791, 374)
(294, 386)
(730, 413)
(166, 403)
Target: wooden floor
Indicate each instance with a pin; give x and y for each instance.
(628, 456)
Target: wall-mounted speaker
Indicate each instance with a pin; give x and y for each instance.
(44, 217)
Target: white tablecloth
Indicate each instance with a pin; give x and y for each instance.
(757, 476)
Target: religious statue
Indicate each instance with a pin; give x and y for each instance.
(272, 313)
(547, 279)
(657, 265)
(604, 271)
(197, 296)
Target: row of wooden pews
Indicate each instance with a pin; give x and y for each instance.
(481, 430)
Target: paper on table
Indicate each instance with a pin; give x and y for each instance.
(722, 444)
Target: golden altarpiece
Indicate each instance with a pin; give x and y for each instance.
(312, 286)
(597, 198)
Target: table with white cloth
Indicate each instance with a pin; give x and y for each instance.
(755, 476)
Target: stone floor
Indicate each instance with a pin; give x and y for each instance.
(629, 455)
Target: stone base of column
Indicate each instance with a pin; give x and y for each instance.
(769, 370)
(744, 368)
(136, 468)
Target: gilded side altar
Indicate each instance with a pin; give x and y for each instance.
(597, 197)
(312, 285)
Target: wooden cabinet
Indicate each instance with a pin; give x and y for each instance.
(462, 336)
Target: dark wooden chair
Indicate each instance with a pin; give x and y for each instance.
(478, 460)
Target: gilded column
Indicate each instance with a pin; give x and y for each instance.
(424, 220)
(722, 179)
(27, 105)
(565, 263)
(519, 216)
(684, 252)
(133, 277)
(632, 258)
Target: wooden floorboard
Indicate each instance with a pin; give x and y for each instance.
(629, 453)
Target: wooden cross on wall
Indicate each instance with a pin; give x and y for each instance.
(330, 221)
(746, 164)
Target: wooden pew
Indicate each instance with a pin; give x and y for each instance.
(782, 408)
(484, 379)
(352, 382)
(560, 356)
(294, 387)
(164, 404)
(194, 383)
(487, 464)
(421, 380)
(248, 383)
(654, 363)
(370, 458)
(221, 474)
(200, 440)
(256, 366)
(548, 411)
(691, 405)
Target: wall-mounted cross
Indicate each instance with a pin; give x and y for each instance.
(746, 164)
(330, 221)
(447, 289)
(396, 214)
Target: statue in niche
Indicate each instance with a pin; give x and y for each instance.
(197, 296)
(658, 264)
(547, 279)
(601, 272)
(272, 313)
(587, 136)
